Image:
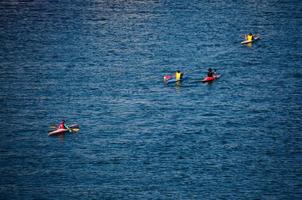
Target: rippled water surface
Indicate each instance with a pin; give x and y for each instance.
(100, 63)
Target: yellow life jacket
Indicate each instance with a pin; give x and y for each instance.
(249, 37)
(177, 76)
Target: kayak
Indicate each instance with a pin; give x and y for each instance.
(173, 80)
(250, 41)
(74, 128)
(168, 79)
(62, 131)
(210, 79)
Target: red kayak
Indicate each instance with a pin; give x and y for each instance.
(73, 128)
(210, 79)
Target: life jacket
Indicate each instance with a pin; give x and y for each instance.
(61, 126)
(178, 76)
(249, 37)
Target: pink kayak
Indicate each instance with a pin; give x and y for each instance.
(73, 128)
(210, 79)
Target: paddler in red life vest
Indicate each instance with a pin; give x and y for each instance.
(62, 125)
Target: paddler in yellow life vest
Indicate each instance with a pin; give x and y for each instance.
(249, 37)
(178, 75)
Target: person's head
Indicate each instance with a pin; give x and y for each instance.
(63, 121)
(210, 69)
(250, 34)
(178, 71)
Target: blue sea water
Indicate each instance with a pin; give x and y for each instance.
(100, 63)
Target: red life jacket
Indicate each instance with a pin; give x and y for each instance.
(61, 126)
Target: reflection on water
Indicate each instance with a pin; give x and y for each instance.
(249, 44)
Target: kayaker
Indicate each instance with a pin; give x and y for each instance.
(210, 72)
(62, 125)
(249, 37)
(178, 75)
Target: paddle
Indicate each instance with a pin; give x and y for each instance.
(66, 126)
(75, 130)
(53, 126)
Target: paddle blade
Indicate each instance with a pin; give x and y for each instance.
(75, 130)
(53, 126)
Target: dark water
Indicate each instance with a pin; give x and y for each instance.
(100, 64)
